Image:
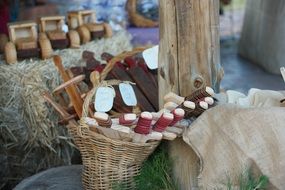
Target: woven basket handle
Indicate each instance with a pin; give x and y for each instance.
(120, 57)
(98, 81)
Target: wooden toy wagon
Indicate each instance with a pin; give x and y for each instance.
(51, 27)
(24, 42)
(85, 23)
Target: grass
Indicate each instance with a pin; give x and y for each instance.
(156, 172)
(248, 182)
(156, 175)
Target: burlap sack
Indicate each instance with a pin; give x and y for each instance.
(256, 98)
(229, 139)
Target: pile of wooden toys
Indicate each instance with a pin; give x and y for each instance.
(146, 125)
(133, 69)
(25, 41)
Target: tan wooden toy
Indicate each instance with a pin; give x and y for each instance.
(51, 27)
(3, 40)
(84, 22)
(24, 42)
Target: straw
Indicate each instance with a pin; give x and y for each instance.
(30, 135)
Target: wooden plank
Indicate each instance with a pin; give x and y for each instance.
(143, 103)
(21, 24)
(198, 45)
(72, 81)
(188, 60)
(168, 63)
(144, 83)
(119, 104)
(72, 92)
(52, 18)
(152, 74)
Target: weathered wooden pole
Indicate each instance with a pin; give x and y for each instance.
(189, 58)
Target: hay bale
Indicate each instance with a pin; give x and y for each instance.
(31, 140)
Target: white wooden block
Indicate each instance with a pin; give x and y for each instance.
(169, 136)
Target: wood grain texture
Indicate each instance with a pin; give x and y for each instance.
(189, 46)
(143, 103)
(168, 63)
(145, 85)
(189, 59)
(71, 90)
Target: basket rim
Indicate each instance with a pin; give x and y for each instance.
(83, 130)
(93, 135)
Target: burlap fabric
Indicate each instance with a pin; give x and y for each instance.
(229, 139)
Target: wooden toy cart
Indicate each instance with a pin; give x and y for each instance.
(51, 27)
(84, 22)
(24, 42)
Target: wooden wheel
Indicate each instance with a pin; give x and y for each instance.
(10, 53)
(46, 48)
(84, 34)
(74, 39)
(3, 40)
(108, 30)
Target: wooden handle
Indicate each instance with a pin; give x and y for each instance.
(170, 106)
(65, 120)
(169, 136)
(71, 90)
(95, 78)
(140, 138)
(175, 130)
(74, 80)
(56, 106)
(172, 97)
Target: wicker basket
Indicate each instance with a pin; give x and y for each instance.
(137, 19)
(108, 162)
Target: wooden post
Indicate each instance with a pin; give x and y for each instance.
(189, 58)
(189, 54)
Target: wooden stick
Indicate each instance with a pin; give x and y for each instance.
(140, 138)
(145, 84)
(66, 117)
(56, 106)
(64, 121)
(172, 97)
(169, 136)
(72, 81)
(175, 130)
(72, 92)
(170, 106)
(143, 102)
(200, 93)
(114, 132)
(152, 74)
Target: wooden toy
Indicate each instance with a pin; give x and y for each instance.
(51, 27)
(24, 42)
(3, 40)
(84, 22)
